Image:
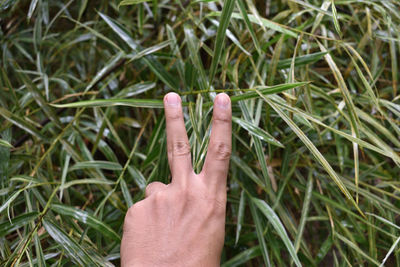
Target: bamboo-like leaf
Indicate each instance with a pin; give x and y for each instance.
(317, 154)
(193, 46)
(319, 17)
(246, 19)
(243, 257)
(37, 95)
(105, 165)
(301, 60)
(240, 217)
(350, 244)
(138, 177)
(390, 252)
(304, 211)
(85, 181)
(260, 235)
(335, 18)
(76, 252)
(153, 64)
(276, 223)
(266, 90)
(274, 61)
(138, 103)
(5, 143)
(106, 68)
(247, 170)
(132, 2)
(264, 22)
(109, 72)
(151, 103)
(16, 223)
(86, 218)
(306, 4)
(257, 132)
(21, 123)
(220, 38)
(350, 106)
(9, 200)
(32, 8)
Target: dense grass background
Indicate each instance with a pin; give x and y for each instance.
(314, 176)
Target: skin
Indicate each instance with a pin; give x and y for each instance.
(183, 223)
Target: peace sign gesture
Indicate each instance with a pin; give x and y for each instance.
(183, 223)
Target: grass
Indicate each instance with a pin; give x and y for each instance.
(314, 176)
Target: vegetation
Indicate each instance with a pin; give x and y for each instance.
(314, 175)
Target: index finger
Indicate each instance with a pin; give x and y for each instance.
(216, 165)
(177, 141)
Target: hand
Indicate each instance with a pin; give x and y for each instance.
(183, 223)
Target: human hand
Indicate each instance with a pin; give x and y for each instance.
(183, 223)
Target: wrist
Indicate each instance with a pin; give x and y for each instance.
(192, 261)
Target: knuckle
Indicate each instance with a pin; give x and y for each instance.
(153, 187)
(147, 191)
(174, 114)
(160, 198)
(219, 209)
(219, 204)
(180, 148)
(215, 208)
(185, 193)
(130, 214)
(222, 150)
(222, 117)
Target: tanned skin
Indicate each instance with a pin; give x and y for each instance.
(183, 223)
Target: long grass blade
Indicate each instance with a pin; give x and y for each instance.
(220, 38)
(277, 224)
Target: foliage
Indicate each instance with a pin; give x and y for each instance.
(314, 176)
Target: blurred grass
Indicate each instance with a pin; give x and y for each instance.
(314, 176)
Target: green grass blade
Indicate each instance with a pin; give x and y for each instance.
(243, 257)
(5, 143)
(264, 22)
(390, 252)
(260, 234)
(248, 171)
(85, 181)
(75, 251)
(86, 218)
(17, 222)
(301, 60)
(107, 67)
(138, 103)
(193, 47)
(98, 164)
(257, 131)
(243, 13)
(240, 217)
(352, 245)
(317, 154)
(153, 64)
(335, 18)
(131, 2)
(266, 90)
(277, 224)
(304, 211)
(220, 38)
(32, 8)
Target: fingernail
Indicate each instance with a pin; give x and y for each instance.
(172, 99)
(222, 101)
